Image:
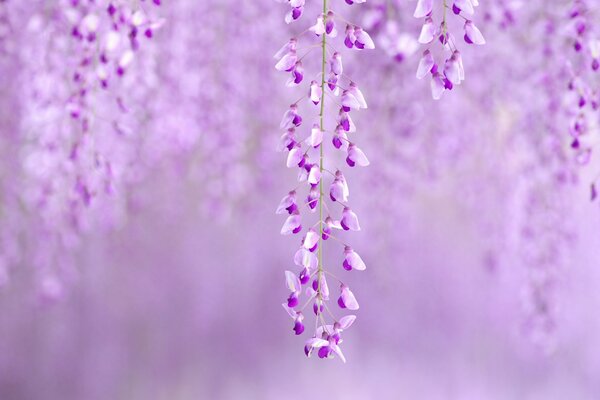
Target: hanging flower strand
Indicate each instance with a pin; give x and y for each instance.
(453, 72)
(583, 88)
(308, 155)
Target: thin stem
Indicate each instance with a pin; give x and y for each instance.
(444, 21)
(321, 152)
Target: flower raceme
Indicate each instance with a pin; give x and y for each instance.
(451, 73)
(306, 153)
(582, 102)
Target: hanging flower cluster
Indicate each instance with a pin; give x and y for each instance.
(76, 144)
(308, 155)
(583, 101)
(452, 73)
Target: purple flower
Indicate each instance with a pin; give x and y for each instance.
(339, 188)
(453, 69)
(428, 31)
(293, 224)
(437, 86)
(311, 240)
(313, 197)
(465, 6)
(319, 27)
(291, 118)
(339, 137)
(424, 8)
(297, 75)
(425, 65)
(314, 176)
(330, 224)
(314, 343)
(330, 24)
(473, 34)
(356, 156)
(288, 203)
(349, 220)
(297, 9)
(352, 260)
(294, 285)
(335, 64)
(345, 121)
(349, 101)
(295, 157)
(315, 92)
(287, 62)
(355, 91)
(347, 299)
(290, 46)
(316, 136)
(350, 38)
(362, 39)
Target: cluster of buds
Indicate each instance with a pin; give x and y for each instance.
(308, 156)
(452, 73)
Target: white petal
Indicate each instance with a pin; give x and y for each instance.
(358, 156)
(316, 136)
(324, 288)
(291, 312)
(286, 202)
(437, 87)
(294, 157)
(292, 281)
(364, 38)
(355, 261)
(425, 65)
(319, 27)
(287, 62)
(316, 343)
(474, 33)
(428, 32)
(424, 7)
(359, 96)
(336, 349)
(346, 321)
(311, 239)
(349, 299)
(290, 224)
(314, 177)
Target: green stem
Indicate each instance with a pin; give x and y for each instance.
(444, 21)
(321, 155)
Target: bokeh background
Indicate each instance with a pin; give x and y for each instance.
(150, 266)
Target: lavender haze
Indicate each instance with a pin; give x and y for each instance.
(434, 177)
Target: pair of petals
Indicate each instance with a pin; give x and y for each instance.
(347, 299)
(356, 156)
(349, 220)
(352, 260)
(339, 191)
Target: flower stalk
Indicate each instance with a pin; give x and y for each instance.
(309, 155)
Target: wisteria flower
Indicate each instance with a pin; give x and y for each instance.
(352, 260)
(347, 299)
(349, 220)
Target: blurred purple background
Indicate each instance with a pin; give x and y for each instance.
(171, 286)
